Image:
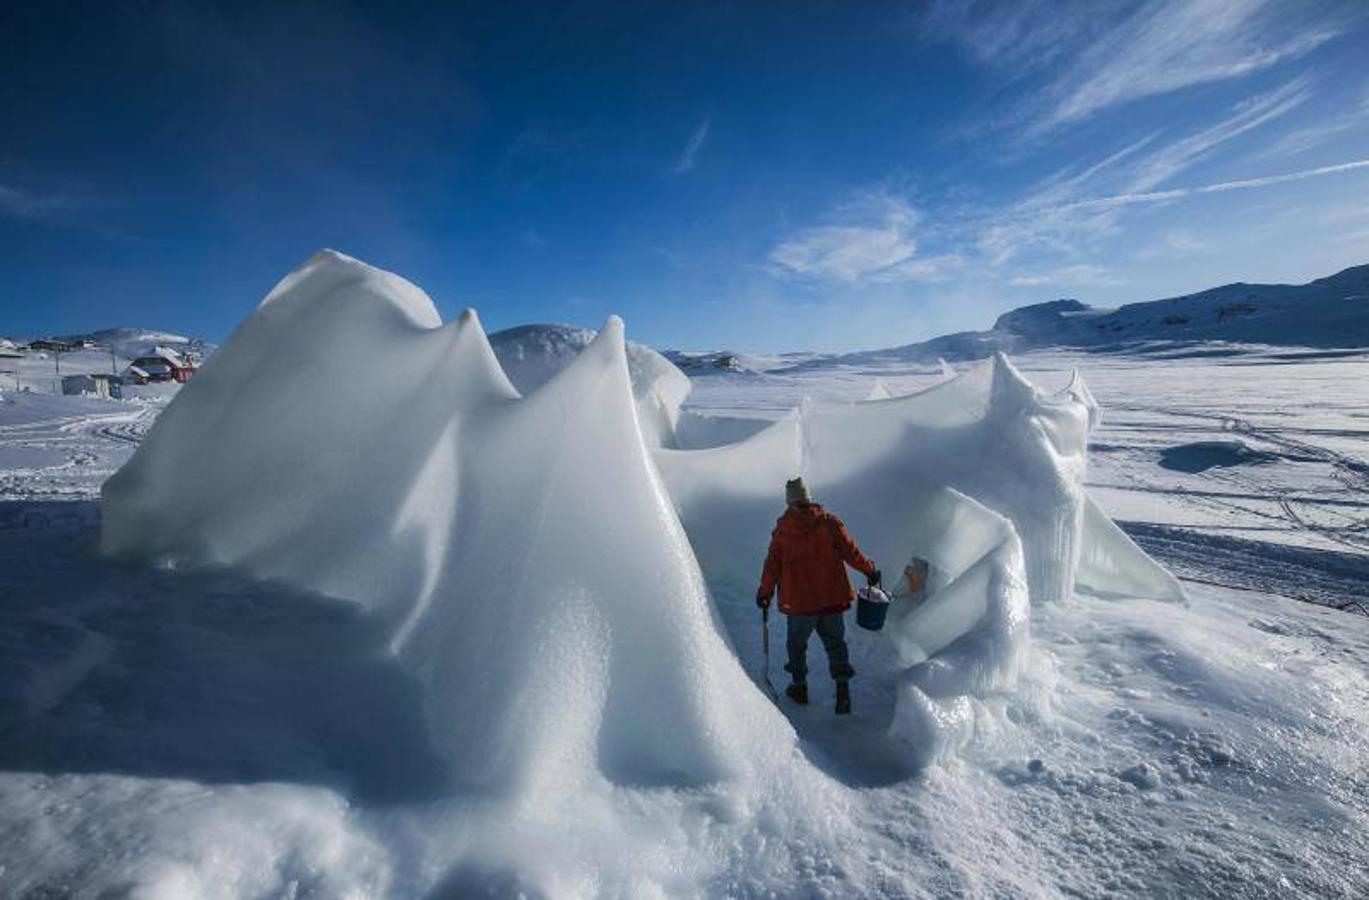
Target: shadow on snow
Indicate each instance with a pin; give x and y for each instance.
(204, 676)
(212, 677)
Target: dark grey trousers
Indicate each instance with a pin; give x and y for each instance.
(832, 630)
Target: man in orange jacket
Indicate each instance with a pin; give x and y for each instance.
(809, 552)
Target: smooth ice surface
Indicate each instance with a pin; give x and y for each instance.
(1111, 565)
(522, 550)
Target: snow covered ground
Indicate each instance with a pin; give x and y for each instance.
(173, 734)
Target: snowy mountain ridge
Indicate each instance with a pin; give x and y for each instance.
(1330, 312)
(1326, 313)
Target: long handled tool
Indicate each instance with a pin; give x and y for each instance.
(765, 650)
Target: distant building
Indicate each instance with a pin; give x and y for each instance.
(99, 384)
(50, 344)
(159, 365)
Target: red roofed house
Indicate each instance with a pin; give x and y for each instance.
(161, 364)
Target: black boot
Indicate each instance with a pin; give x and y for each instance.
(798, 692)
(843, 698)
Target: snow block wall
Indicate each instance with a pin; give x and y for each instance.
(524, 551)
(539, 552)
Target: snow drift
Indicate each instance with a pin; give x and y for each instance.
(540, 557)
(536, 578)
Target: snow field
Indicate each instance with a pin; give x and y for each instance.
(240, 739)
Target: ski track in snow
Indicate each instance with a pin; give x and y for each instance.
(186, 735)
(59, 447)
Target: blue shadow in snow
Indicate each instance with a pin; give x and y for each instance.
(202, 676)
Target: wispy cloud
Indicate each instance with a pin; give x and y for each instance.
(691, 149)
(1071, 209)
(845, 253)
(1300, 140)
(1163, 47)
(1247, 116)
(1020, 38)
(1220, 187)
(1054, 233)
(1079, 58)
(867, 240)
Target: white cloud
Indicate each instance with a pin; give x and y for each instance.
(846, 253)
(870, 236)
(691, 148)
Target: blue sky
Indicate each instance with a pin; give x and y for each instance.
(757, 176)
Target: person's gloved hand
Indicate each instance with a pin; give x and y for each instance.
(873, 578)
(763, 601)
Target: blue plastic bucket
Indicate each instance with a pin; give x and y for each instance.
(870, 612)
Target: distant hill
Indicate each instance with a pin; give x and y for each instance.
(1331, 312)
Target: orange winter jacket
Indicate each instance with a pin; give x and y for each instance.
(808, 550)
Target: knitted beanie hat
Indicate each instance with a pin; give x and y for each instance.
(795, 491)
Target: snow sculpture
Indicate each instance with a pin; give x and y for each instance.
(541, 567)
(524, 551)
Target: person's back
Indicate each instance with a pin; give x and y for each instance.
(809, 551)
(811, 548)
